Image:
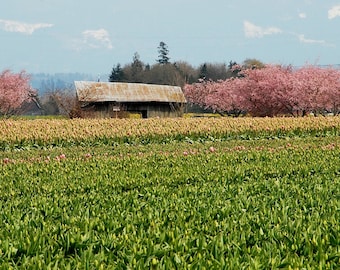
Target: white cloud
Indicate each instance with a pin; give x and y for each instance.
(20, 27)
(97, 38)
(254, 31)
(302, 15)
(305, 40)
(334, 12)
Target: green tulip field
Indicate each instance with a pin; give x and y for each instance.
(245, 200)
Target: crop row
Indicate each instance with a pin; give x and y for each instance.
(42, 132)
(214, 205)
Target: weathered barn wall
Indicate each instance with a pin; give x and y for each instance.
(154, 109)
(146, 110)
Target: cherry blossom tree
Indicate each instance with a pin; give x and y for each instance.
(317, 89)
(266, 91)
(14, 91)
(271, 91)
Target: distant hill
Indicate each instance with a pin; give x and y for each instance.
(44, 82)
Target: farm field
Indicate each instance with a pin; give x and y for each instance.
(207, 193)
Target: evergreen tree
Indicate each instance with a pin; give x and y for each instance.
(203, 72)
(117, 74)
(163, 57)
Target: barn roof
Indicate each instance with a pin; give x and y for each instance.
(127, 92)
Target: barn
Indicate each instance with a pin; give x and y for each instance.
(115, 99)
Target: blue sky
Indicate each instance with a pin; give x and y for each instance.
(53, 36)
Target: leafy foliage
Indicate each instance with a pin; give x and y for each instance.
(259, 204)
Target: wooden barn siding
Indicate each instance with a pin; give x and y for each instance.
(149, 110)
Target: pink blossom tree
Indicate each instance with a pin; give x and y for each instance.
(272, 90)
(317, 89)
(14, 91)
(262, 90)
(220, 96)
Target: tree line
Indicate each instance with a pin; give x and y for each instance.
(177, 73)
